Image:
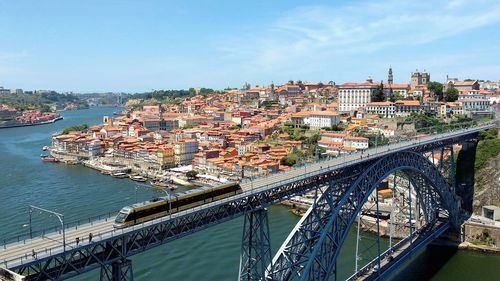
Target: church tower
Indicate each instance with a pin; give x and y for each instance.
(390, 79)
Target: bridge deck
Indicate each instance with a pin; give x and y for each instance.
(16, 254)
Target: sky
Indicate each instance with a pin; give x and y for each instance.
(136, 46)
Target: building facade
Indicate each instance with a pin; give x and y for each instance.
(352, 96)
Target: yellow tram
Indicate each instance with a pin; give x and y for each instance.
(161, 206)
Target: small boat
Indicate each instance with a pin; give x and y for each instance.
(45, 148)
(171, 186)
(119, 175)
(48, 159)
(138, 178)
(297, 212)
(158, 183)
(105, 172)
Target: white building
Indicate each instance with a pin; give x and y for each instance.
(385, 108)
(352, 96)
(471, 94)
(316, 119)
(356, 142)
(475, 105)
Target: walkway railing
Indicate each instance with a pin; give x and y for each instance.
(23, 238)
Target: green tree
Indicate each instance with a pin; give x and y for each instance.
(378, 94)
(436, 88)
(76, 128)
(291, 159)
(490, 134)
(46, 108)
(451, 94)
(191, 174)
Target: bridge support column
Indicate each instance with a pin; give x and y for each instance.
(120, 270)
(256, 246)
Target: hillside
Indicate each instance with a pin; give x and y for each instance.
(487, 171)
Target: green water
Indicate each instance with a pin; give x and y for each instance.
(213, 254)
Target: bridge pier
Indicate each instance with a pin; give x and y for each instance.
(255, 247)
(120, 270)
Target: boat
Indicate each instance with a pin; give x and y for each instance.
(158, 183)
(119, 175)
(105, 172)
(45, 148)
(297, 212)
(138, 178)
(48, 159)
(171, 186)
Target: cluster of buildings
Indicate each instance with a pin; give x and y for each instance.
(10, 117)
(238, 133)
(4, 91)
(415, 97)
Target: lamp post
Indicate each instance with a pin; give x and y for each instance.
(58, 215)
(169, 202)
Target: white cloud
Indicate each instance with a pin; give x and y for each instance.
(318, 34)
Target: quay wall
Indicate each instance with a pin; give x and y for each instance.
(31, 124)
(482, 233)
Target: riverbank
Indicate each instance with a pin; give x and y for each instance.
(32, 124)
(480, 248)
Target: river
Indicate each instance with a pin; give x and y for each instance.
(213, 254)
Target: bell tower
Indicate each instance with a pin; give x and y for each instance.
(390, 79)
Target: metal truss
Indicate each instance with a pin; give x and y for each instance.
(255, 246)
(120, 270)
(311, 250)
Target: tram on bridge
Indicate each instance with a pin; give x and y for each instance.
(162, 206)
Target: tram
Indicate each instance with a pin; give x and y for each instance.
(161, 206)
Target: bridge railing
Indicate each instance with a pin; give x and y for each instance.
(425, 235)
(114, 232)
(23, 238)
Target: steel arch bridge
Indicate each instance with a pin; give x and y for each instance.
(311, 250)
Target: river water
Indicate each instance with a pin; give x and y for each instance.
(213, 254)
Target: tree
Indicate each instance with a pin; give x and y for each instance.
(436, 88)
(451, 94)
(76, 128)
(46, 108)
(291, 159)
(191, 174)
(378, 94)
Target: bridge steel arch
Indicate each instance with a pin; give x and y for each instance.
(311, 250)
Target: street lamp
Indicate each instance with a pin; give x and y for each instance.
(58, 215)
(169, 202)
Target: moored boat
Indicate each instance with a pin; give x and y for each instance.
(138, 178)
(48, 159)
(45, 148)
(119, 175)
(158, 183)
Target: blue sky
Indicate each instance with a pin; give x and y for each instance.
(104, 45)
